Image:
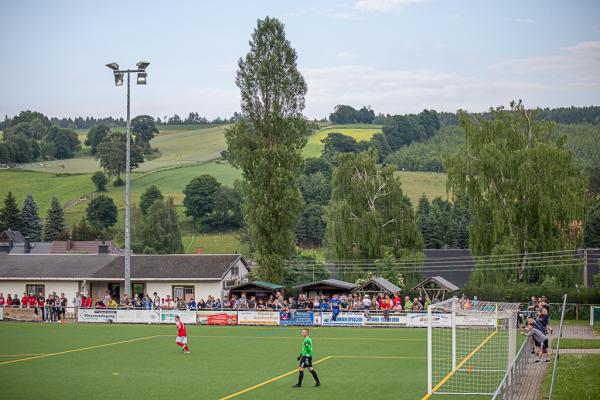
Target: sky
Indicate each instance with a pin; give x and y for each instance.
(397, 56)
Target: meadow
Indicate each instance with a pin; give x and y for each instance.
(359, 132)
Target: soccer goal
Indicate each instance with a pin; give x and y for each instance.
(470, 346)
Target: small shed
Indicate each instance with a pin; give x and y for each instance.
(435, 287)
(375, 286)
(327, 287)
(259, 289)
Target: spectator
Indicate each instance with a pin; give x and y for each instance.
(540, 340)
(191, 305)
(417, 306)
(25, 301)
(218, 304)
(15, 301)
(252, 303)
(408, 305)
(261, 305)
(366, 305)
(100, 303)
(33, 301)
(107, 298)
(77, 300)
(156, 301)
(112, 303)
(292, 304)
(41, 303)
(2, 301)
(50, 308)
(180, 303)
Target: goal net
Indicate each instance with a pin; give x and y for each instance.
(470, 345)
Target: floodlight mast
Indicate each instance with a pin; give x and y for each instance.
(141, 80)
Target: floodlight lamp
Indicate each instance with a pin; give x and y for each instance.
(141, 78)
(118, 78)
(143, 65)
(114, 66)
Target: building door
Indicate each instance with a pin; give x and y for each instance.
(138, 289)
(114, 288)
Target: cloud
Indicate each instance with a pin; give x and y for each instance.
(525, 20)
(344, 55)
(383, 5)
(576, 65)
(403, 91)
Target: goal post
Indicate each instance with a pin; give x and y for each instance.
(470, 346)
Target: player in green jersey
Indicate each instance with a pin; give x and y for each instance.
(305, 359)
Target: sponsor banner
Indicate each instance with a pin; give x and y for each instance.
(217, 317)
(168, 316)
(393, 319)
(258, 318)
(419, 320)
(1, 313)
(343, 319)
(476, 320)
(138, 316)
(21, 314)
(445, 320)
(96, 315)
(296, 317)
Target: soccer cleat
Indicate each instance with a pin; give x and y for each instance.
(317, 384)
(188, 352)
(297, 385)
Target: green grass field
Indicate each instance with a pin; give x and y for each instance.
(69, 361)
(314, 146)
(576, 377)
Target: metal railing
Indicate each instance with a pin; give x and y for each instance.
(512, 379)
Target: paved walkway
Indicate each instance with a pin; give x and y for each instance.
(531, 385)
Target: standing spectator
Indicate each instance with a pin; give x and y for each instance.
(191, 305)
(25, 301)
(33, 301)
(15, 301)
(156, 301)
(2, 301)
(8, 300)
(366, 305)
(77, 301)
(417, 306)
(292, 304)
(50, 308)
(541, 342)
(301, 304)
(41, 303)
(335, 307)
(252, 303)
(408, 305)
(62, 302)
(218, 304)
(107, 298)
(344, 303)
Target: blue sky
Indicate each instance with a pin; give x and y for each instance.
(398, 56)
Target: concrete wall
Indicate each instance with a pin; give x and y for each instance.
(69, 288)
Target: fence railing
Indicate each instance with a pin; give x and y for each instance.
(224, 316)
(512, 379)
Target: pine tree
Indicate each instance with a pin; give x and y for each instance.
(32, 225)
(426, 222)
(10, 216)
(462, 218)
(55, 221)
(592, 227)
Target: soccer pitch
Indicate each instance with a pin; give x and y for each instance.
(74, 361)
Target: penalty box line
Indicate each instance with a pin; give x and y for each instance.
(318, 362)
(77, 350)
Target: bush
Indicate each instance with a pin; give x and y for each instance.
(100, 181)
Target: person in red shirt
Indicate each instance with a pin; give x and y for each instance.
(9, 300)
(32, 301)
(181, 335)
(2, 301)
(397, 302)
(25, 300)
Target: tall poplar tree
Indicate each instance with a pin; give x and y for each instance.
(32, 225)
(525, 192)
(267, 144)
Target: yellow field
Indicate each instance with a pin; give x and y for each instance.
(315, 146)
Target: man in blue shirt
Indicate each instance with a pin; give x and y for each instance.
(335, 307)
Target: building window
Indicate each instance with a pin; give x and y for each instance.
(35, 290)
(138, 289)
(185, 292)
(235, 271)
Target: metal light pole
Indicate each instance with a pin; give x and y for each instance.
(141, 80)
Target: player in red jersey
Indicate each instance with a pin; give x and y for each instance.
(181, 335)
